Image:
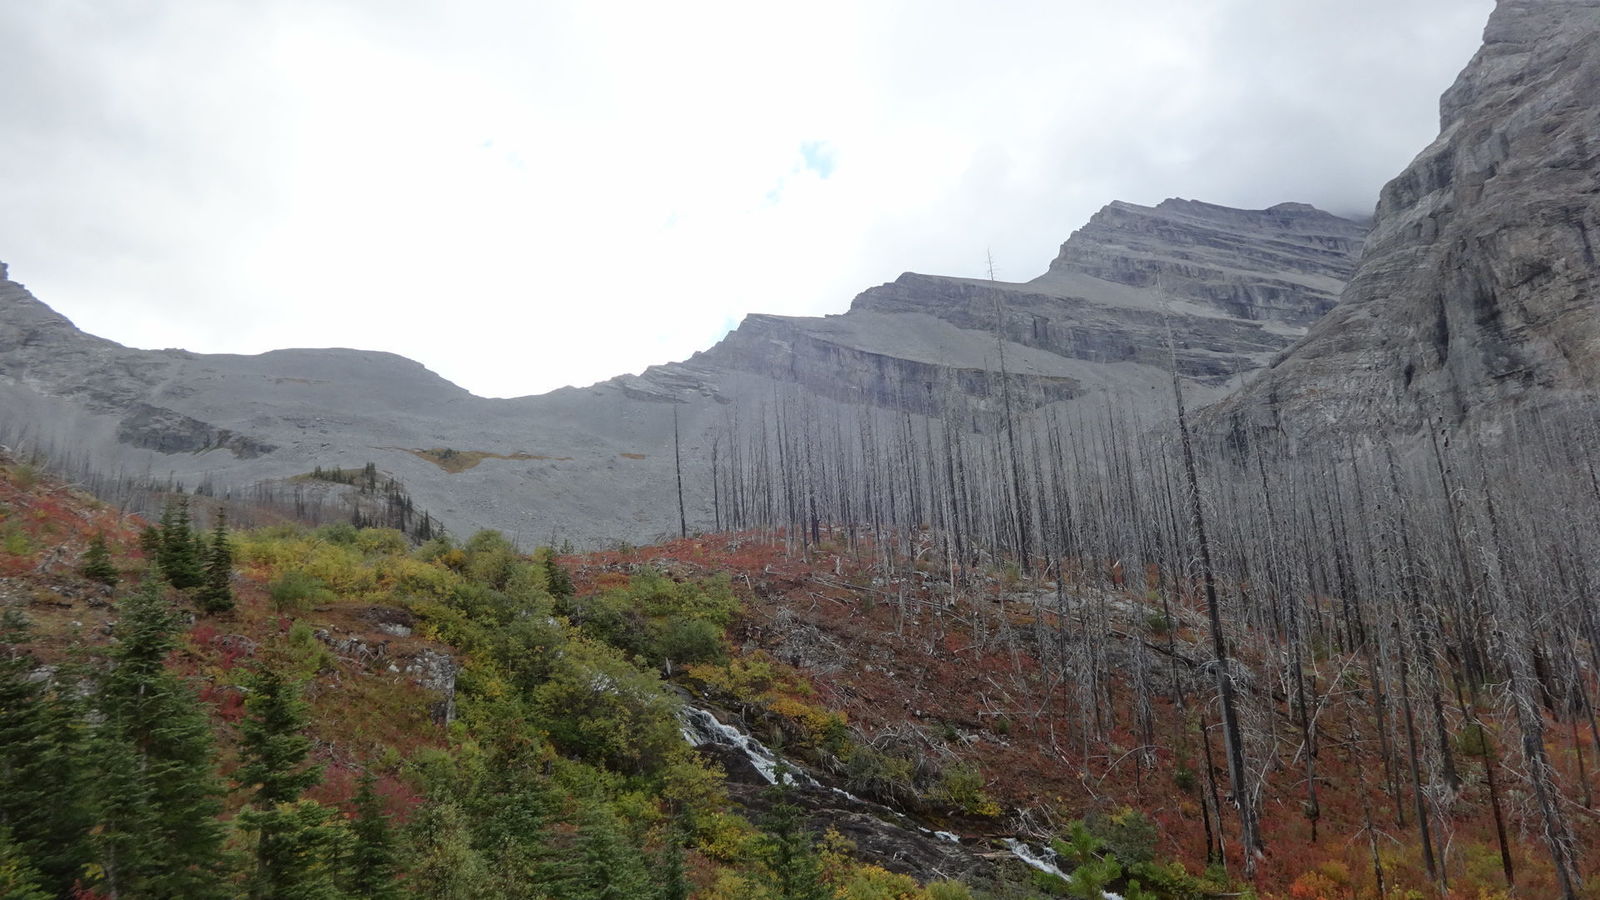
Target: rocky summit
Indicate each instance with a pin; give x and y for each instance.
(1477, 291)
(1230, 287)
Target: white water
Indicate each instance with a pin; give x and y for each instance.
(1045, 862)
(700, 727)
(1034, 858)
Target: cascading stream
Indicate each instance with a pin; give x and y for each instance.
(699, 727)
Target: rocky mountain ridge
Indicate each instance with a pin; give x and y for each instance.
(595, 464)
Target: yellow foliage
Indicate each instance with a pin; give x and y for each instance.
(725, 837)
(730, 885)
(875, 883)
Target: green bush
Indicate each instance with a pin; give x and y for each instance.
(297, 592)
(342, 533)
(1127, 834)
(962, 786)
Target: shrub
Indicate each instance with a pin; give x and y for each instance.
(296, 591)
(341, 533)
(961, 786)
(688, 641)
(1127, 834)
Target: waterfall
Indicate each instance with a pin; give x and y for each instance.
(700, 727)
(1045, 861)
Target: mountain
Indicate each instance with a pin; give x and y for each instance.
(596, 464)
(1477, 293)
(1235, 286)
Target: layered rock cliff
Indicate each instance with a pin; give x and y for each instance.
(1231, 287)
(1477, 293)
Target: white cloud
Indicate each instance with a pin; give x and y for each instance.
(523, 196)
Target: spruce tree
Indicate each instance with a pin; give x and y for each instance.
(41, 764)
(273, 745)
(150, 543)
(610, 867)
(19, 878)
(444, 864)
(672, 878)
(299, 850)
(179, 553)
(157, 796)
(557, 580)
(297, 844)
(97, 562)
(788, 848)
(216, 586)
(371, 866)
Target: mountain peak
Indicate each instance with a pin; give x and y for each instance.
(1475, 292)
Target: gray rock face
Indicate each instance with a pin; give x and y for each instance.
(1477, 292)
(595, 464)
(1233, 286)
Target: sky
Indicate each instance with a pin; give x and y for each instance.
(527, 195)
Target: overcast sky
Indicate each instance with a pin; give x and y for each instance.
(524, 195)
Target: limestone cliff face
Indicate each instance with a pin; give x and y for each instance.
(1477, 292)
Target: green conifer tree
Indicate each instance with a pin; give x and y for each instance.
(557, 580)
(611, 867)
(444, 863)
(788, 847)
(297, 843)
(216, 585)
(371, 866)
(299, 849)
(150, 543)
(19, 879)
(41, 763)
(672, 878)
(155, 789)
(179, 553)
(97, 562)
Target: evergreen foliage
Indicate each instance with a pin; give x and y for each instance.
(156, 789)
(372, 863)
(298, 844)
(42, 798)
(216, 585)
(273, 746)
(299, 848)
(788, 848)
(178, 555)
(150, 543)
(97, 564)
(672, 878)
(19, 880)
(611, 867)
(444, 863)
(556, 577)
(565, 774)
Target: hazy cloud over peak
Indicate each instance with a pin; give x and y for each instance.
(523, 196)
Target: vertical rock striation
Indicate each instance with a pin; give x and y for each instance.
(1477, 292)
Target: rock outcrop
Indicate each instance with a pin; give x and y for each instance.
(1477, 293)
